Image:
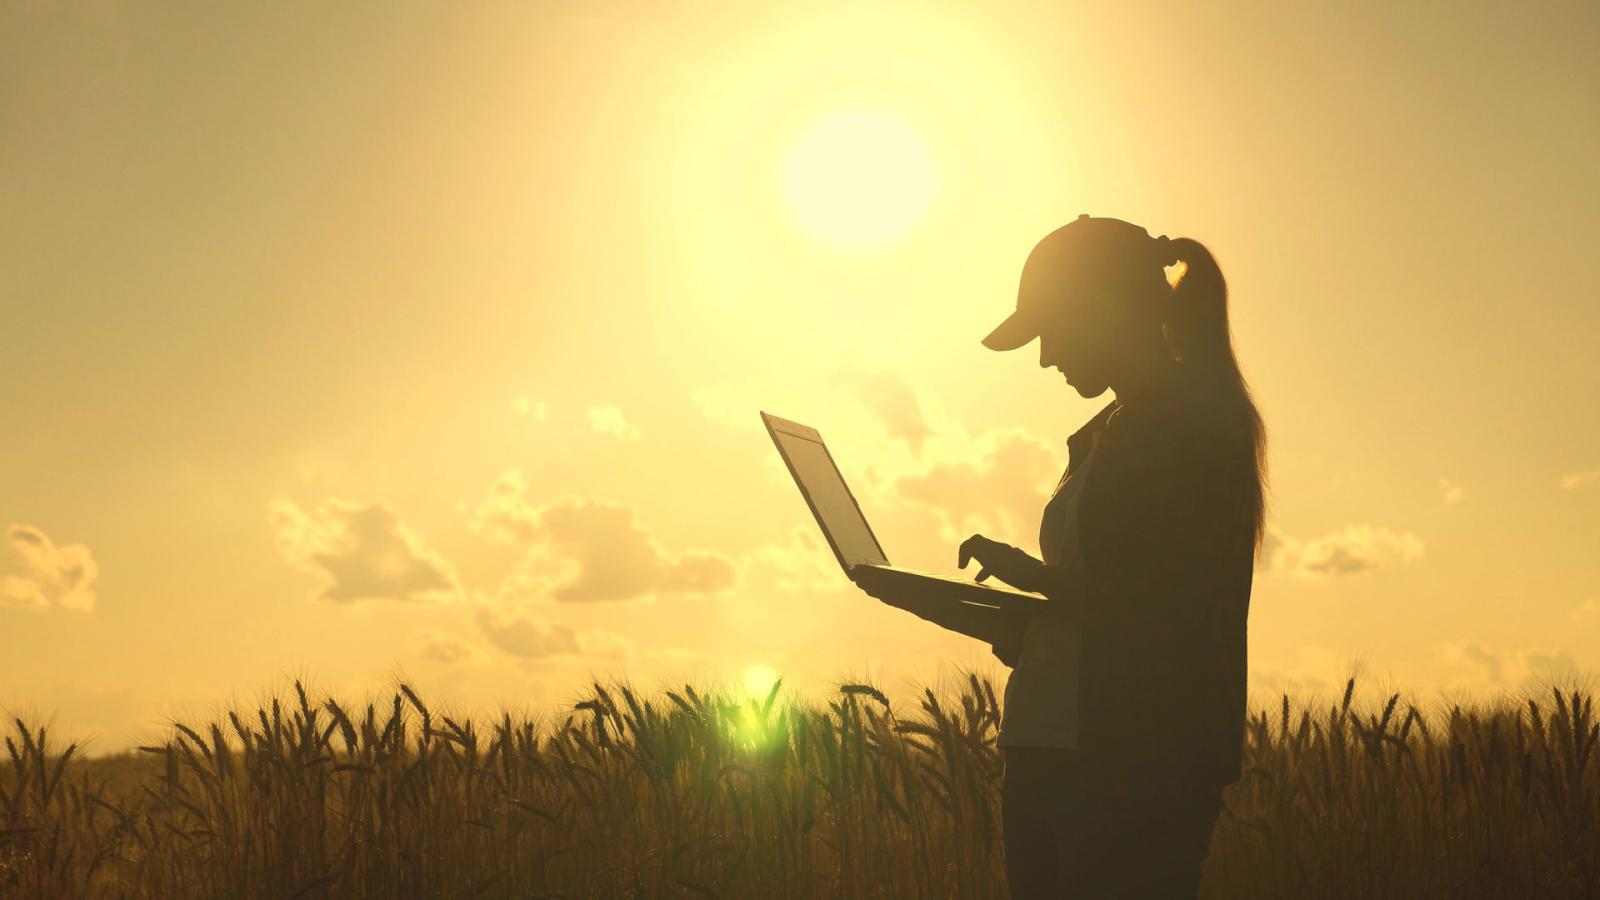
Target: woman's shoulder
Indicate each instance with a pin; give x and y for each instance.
(1170, 401)
(1183, 415)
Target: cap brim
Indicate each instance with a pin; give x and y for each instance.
(1017, 330)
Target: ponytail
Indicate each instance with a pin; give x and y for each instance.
(1197, 314)
(1197, 329)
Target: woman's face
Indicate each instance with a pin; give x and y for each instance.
(1106, 332)
(1082, 343)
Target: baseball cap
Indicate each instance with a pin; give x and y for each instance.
(1077, 254)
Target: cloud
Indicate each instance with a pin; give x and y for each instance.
(506, 515)
(44, 575)
(803, 564)
(1450, 491)
(538, 410)
(444, 648)
(1575, 480)
(608, 419)
(528, 637)
(598, 643)
(733, 404)
(618, 559)
(1270, 544)
(1357, 548)
(852, 406)
(1587, 612)
(677, 655)
(523, 635)
(1473, 665)
(792, 594)
(360, 551)
(579, 550)
(893, 400)
(1309, 669)
(1000, 489)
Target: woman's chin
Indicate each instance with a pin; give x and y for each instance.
(1089, 391)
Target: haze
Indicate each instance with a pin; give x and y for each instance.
(428, 341)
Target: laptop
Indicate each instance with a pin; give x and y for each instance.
(842, 522)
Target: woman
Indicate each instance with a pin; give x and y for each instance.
(1124, 712)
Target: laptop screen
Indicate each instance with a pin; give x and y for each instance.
(836, 509)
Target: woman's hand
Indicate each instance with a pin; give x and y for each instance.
(1010, 564)
(866, 578)
(927, 601)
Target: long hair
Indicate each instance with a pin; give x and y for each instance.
(1198, 331)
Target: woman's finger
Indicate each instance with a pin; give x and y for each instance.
(969, 549)
(982, 574)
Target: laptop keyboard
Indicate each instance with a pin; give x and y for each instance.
(995, 584)
(936, 575)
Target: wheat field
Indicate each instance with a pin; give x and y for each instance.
(711, 793)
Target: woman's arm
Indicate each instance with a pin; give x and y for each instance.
(1066, 587)
(1023, 571)
(1061, 587)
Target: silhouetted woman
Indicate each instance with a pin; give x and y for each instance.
(1124, 712)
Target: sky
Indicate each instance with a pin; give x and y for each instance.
(397, 341)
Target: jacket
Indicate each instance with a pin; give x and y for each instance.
(1166, 536)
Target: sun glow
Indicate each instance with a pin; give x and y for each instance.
(859, 177)
(853, 159)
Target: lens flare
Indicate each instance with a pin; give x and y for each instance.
(758, 681)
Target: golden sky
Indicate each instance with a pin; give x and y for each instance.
(428, 340)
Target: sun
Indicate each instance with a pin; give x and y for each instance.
(859, 177)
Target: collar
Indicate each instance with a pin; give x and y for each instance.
(1085, 433)
(1160, 386)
